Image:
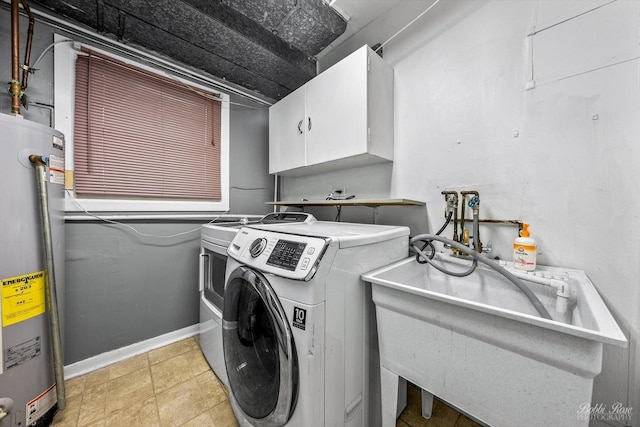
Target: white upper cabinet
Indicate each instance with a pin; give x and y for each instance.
(287, 126)
(340, 119)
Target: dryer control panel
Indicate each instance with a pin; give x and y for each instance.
(286, 255)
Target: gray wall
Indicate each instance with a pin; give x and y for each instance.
(121, 287)
(124, 288)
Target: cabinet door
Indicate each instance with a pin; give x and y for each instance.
(336, 107)
(287, 133)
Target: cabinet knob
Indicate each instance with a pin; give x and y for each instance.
(309, 122)
(300, 126)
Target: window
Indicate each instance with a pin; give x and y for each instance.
(140, 135)
(139, 140)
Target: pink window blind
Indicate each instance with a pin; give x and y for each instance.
(138, 135)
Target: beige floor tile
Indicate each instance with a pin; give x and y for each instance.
(73, 403)
(170, 372)
(141, 414)
(74, 386)
(187, 394)
(223, 416)
(206, 376)
(201, 420)
(128, 366)
(95, 390)
(466, 422)
(412, 414)
(443, 415)
(94, 405)
(414, 419)
(172, 350)
(197, 362)
(181, 403)
(69, 416)
(210, 376)
(101, 376)
(129, 389)
(213, 390)
(66, 418)
(91, 412)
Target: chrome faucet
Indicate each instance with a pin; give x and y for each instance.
(471, 199)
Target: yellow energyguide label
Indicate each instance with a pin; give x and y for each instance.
(23, 297)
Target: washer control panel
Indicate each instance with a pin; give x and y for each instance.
(287, 255)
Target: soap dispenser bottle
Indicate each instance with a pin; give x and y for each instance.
(524, 250)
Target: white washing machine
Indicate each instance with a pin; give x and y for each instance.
(215, 238)
(300, 343)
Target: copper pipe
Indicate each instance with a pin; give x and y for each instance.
(27, 53)
(476, 211)
(514, 222)
(498, 221)
(37, 160)
(15, 57)
(463, 214)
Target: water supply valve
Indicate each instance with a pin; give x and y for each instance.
(474, 202)
(451, 199)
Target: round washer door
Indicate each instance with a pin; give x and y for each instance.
(259, 351)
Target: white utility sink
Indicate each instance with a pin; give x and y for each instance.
(477, 342)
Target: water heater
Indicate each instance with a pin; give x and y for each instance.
(27, 378)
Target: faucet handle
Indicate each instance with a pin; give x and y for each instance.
(474, 201)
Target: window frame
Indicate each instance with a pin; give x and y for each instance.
(64, 99)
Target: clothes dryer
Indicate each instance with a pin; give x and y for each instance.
(299, 331)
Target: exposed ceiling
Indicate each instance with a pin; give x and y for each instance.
(267, 46)
(360, 13)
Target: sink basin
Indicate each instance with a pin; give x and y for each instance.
(477, 342)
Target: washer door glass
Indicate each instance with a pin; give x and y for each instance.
(259, 350)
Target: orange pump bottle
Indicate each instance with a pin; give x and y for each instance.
(524, 250)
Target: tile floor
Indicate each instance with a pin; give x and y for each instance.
(441, 416)
(174, 386)
(169, 386)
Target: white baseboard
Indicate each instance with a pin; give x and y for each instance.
(105, 359)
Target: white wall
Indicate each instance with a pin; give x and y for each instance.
(545, 126)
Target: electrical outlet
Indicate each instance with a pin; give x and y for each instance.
(340, 191)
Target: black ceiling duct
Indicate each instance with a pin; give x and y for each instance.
(267, 46)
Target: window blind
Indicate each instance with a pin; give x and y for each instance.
(138, 135)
